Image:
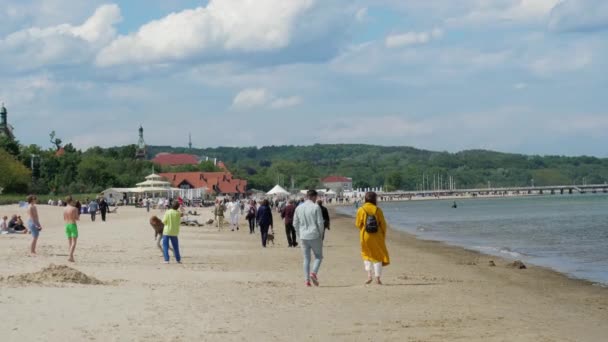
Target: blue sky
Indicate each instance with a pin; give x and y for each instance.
(527, 76)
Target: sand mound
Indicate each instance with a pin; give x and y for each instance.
(55, 274)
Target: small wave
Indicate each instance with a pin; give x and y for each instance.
(499, 250)
(424, 229)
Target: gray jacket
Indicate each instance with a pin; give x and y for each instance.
(308, 221)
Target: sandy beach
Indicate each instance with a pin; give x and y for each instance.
(231, 289)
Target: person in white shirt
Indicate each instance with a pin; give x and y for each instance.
(308, 222)
(233, 210)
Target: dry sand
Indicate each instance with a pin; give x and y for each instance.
(230, 289)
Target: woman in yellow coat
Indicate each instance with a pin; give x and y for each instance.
(373, 246)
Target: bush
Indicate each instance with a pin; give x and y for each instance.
(14, 177)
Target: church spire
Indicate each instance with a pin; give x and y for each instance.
(141, 145)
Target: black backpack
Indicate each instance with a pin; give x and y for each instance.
(371, 224)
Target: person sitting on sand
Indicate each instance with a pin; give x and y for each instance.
(16, 224)
(189, 221)
(372, 235)
(70, 216)
(171, 220)
(33, 223)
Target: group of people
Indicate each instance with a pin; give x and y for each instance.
(308, 220)
(233, 207)
(71, 214)
(13, 226)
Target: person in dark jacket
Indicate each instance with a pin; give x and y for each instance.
(287, 214)
(103, 208)
(325, 216)
(251, 216)
(264, 219)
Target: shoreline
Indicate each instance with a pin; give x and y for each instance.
(229, 288)
(476, 253)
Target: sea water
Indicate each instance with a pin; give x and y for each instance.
(568, 233)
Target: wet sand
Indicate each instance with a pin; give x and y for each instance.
(231, 289)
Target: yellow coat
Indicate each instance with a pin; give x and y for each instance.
(373, 246)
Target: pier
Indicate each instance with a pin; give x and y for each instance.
(523, 190)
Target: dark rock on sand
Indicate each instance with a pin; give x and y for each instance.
(491, 263)
(518, 264)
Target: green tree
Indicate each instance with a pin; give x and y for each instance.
(9, 145)
(14, 177)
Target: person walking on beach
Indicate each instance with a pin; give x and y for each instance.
(325, 214)
(33, 223)
(103, 208)
(287, 214)
(372, 235)
(264, 218)
(93, 207)
(233, 210)
(70, 216)
(251, 211)
(172, 220)
(308, 222)
(219, 214)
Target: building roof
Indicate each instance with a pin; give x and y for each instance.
(175, 159)
(218, 182)
(336, 179)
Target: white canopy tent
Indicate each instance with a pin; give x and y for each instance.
(278, 190)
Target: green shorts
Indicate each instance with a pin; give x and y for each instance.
(71, 230)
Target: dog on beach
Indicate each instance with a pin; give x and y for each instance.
(158, 227)
(270, 237)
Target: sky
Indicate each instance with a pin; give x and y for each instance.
(523, 76)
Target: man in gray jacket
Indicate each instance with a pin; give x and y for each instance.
(308, 222)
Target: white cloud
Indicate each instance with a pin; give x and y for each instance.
(361, 14)
(504, 11)
(579, 15)
(252, 97)
(412, 38)
(262, 97)
(221, 26)
(61, 44)
(565, 60)
(17, 14)
(286, 102)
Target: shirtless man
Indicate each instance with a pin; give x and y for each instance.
(33, 223)
(70, 216)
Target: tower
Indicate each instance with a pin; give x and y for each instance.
(5, 128)
(190, 141)
(141, 145)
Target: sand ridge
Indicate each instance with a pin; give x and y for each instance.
(55, 274)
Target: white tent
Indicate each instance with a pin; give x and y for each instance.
(277, 190)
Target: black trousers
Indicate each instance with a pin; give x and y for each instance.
(93, 215)
(264, 231)
(252, 225)
(290, 231)
(103, 216)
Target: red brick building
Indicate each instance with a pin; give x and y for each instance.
(216, 183)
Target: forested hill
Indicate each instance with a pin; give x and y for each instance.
(397, 167)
